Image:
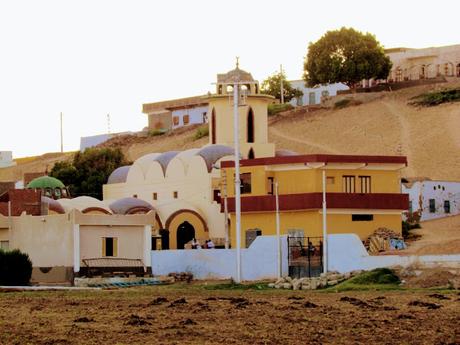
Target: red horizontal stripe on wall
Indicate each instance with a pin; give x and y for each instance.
(306, 201)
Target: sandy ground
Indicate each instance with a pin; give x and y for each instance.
(385, 125)
(438, 236)
(192, 315)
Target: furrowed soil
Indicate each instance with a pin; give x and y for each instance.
(190, 314)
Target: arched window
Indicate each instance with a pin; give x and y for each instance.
(213, 126)
(458, 70)
(251, 154)
(250, 126)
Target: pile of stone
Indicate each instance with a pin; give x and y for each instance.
(313, 283)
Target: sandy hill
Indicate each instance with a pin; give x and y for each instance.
(384, 124)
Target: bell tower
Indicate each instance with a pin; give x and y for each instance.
(252, 111)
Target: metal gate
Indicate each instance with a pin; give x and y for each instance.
(305, 256)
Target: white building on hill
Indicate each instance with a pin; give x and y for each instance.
(425, 63)
(433, 199)
(6, 159)
(314, 95)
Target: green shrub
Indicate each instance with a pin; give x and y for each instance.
(407, 226)
(156, 132)
(376, 276)
(201, 132)
(15, 268)
(274, 109)
(431, 99)
(342, 103)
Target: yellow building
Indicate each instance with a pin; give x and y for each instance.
(362, 194)
(184, 187)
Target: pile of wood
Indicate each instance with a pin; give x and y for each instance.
(379, 241)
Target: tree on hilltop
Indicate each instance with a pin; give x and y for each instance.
(272, 86)
(345, 56)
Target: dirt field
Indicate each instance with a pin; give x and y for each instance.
(190, 314)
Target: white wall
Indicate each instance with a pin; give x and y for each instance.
(259, 261)
(421, 192)
(195, 115)
(300, 85)
(347, 253)
(93, 140)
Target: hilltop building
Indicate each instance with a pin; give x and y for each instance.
(432, 199)
(425, 63)
(6, 159)
(175, 113)
(315, 95)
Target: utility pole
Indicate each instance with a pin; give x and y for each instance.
(62, 136)
(324, 224)
(237, 178)
(278, 238)
(281, 86)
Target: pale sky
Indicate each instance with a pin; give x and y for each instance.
(90, 58)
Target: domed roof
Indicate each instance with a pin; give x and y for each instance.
(213, 153)
(53, 205)
(43, 182)
(84, 204)
(130, 205)
(119, 175)
(165, 158)
(235, 75)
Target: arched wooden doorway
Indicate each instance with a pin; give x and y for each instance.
(185, 233)
(250, 126)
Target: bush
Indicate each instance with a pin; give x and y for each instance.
(407, 226)
(15, 268)
(156, 132)
(201, 132)
(376, 276)
(274, 109)
(431, 99)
